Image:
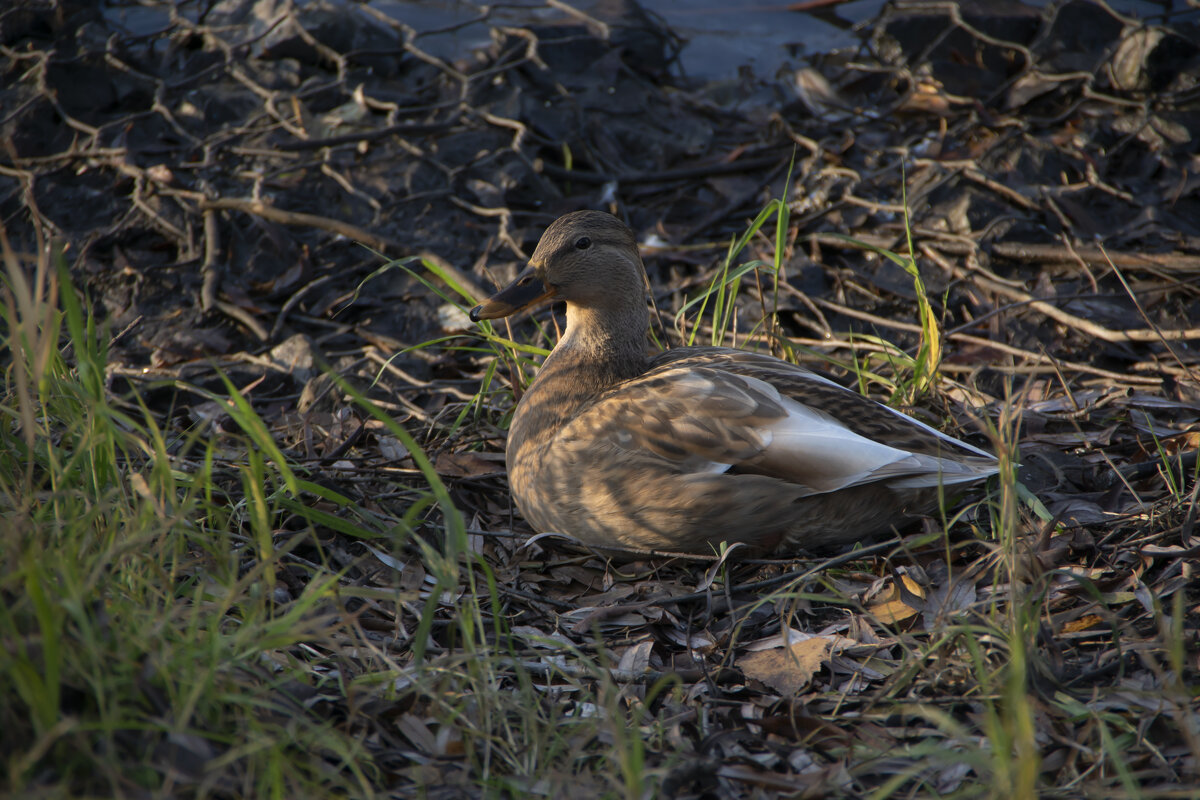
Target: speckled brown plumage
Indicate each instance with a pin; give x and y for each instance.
(701, 445)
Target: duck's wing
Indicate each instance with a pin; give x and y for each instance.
(709, 413)
(860, 414)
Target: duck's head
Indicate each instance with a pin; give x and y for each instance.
(587, 258)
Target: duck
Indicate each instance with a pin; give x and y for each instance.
(693, 448)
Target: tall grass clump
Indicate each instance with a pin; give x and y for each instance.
(719, 298)
(913, 375)
(148, 647)
(1005, 677)
(922, 367)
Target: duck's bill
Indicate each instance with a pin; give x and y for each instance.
(526, 290)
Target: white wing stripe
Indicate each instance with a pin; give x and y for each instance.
(833, 457)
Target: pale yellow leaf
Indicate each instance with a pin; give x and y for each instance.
(787, 670)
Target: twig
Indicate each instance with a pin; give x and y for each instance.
(261, 209)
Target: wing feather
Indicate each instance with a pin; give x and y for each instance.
(697, 416)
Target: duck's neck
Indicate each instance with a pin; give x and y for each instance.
(600, 348)
(597, 351)
(589, 359)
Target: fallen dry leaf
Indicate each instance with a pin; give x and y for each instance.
(787, 670)
(466, 465)
(891, 608)
(1082, 624)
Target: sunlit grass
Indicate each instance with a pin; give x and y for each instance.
(143, 650)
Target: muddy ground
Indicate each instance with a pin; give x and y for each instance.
(227, 176)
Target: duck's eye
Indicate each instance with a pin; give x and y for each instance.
(583, 243)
